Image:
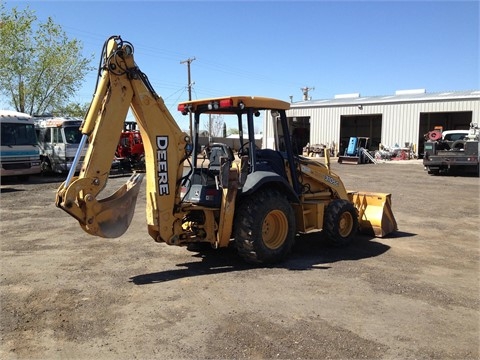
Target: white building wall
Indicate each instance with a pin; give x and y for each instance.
(400, 124)
(400, 121)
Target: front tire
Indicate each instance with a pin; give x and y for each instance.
(341, 222)
(264, 228)
(45, 166)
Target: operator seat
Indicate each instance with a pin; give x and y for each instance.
(217, 151)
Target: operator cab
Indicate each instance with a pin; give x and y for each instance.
(203, 184)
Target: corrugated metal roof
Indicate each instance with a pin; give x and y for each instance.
(403, 96)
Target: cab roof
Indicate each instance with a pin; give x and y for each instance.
(233, 104)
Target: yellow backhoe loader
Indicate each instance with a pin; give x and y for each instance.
(257, 201)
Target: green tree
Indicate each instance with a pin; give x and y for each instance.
(40, 68)
(74, 109)
(224, 130)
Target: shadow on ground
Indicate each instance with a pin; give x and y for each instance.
(311, 252)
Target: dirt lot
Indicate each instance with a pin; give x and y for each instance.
(413, 295)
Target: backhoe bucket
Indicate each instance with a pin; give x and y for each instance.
(116, 211)
(375, 214)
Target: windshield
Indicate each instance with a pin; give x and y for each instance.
(73, 134)
(454, 137)
(18, 134)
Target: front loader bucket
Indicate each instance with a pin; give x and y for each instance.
(375, 214)
(352, 160)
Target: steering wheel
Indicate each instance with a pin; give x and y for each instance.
(244, 150)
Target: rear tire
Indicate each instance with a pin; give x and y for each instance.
(341, 222)
(264, 228)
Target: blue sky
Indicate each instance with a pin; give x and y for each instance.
(274, 48)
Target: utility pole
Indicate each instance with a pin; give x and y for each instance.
(190, 84)
(305, 91)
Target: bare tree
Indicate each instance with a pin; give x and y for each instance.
(214, 125)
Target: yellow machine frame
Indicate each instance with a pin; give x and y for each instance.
(122, 86)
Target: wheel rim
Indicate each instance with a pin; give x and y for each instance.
(274, 229)
(345, 225)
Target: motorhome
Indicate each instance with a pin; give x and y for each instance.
(59, 139)
(19, 154)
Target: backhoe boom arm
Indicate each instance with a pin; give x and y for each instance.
(122, 86)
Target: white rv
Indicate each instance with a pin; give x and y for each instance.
(19, 154)
(59, 139)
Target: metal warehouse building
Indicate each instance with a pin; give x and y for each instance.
(395, 120)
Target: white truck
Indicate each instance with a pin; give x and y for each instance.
(452, 151)
(59, 139)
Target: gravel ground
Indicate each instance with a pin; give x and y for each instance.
(412, 295)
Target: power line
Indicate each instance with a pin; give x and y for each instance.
(305, 91)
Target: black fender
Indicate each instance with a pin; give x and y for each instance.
(258, 179)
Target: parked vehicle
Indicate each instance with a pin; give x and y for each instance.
(59, 139)
(19, 155)
(356, 152)
(130, 154)
(259, 203)
(452, 150)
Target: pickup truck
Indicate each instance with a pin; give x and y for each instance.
(452, 151)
